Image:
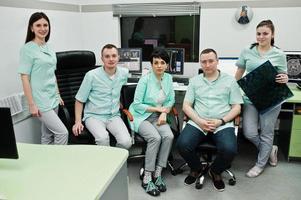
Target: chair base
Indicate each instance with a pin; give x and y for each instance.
(201, 178)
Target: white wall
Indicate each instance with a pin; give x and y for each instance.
(65, 34)
(98, 29)
(220, 30)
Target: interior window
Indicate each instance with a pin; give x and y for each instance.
(163, 31)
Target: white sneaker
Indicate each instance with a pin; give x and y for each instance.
(254, 172)
(273, 156)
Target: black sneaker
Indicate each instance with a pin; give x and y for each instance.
(192, 177)
(218, 183)
(160, 184)
(151, 188)
(190, 180)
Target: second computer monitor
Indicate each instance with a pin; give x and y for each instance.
(131, 58)
(176, 63)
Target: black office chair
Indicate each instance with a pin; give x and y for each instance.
(126, 98)
(207, 149)
(71, 69)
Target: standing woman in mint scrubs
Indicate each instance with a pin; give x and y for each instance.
(251, 58)
(37, 66)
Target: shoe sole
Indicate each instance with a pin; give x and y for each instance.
(273, 164)
(189, 184)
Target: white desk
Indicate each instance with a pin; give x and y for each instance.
(181, 88)
(177, 86)
(65, 172)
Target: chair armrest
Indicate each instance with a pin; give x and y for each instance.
(131, 118)
(237, 121)
(174, 111)
(128, 114)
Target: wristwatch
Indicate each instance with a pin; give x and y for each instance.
(223, 122)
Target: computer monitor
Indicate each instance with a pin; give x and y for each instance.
(176, 63)
(227, 65)
(8, 146)
(130, 58)
(294, 66)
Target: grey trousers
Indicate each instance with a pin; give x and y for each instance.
(159, 141)
(263, 140)
(116, 127)
(52, 128)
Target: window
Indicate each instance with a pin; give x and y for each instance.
(169, 25)
(165, 31)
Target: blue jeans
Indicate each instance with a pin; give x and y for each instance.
(225, 141)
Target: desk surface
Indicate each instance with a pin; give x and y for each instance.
(60, 172)
(297, 95)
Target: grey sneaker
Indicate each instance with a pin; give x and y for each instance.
(273, 156)
(254, 172)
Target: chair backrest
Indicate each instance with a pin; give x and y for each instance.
(127, 95)
(71, 69)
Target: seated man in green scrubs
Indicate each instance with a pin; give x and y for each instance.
(211, 102)
(100, 91)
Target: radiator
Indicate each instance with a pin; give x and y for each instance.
(14, 102)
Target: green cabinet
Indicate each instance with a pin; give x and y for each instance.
(295, 139)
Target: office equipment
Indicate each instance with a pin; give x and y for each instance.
(261, 88)
(290, 126)
(180, 79)
(294, 66)
(71, 69)
(133, 79)
(130, 58)
(65, 172)
(8, 147)
(227, 65)
(176, 63)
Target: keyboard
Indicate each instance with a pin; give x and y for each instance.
(178, 79)
(133, 79)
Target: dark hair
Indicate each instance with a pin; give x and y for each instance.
(268, 23)
(33, 18)
(138, 24)
(108, 46)
(159, 53)
(209, 50)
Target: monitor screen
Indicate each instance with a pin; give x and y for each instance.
(130, 58)
(294, 66)
(176, 63)
(227, 65)
(8, 146)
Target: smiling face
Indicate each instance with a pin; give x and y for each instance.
(159, 66)
(110, 58)
(40, 29)
(264, 36)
